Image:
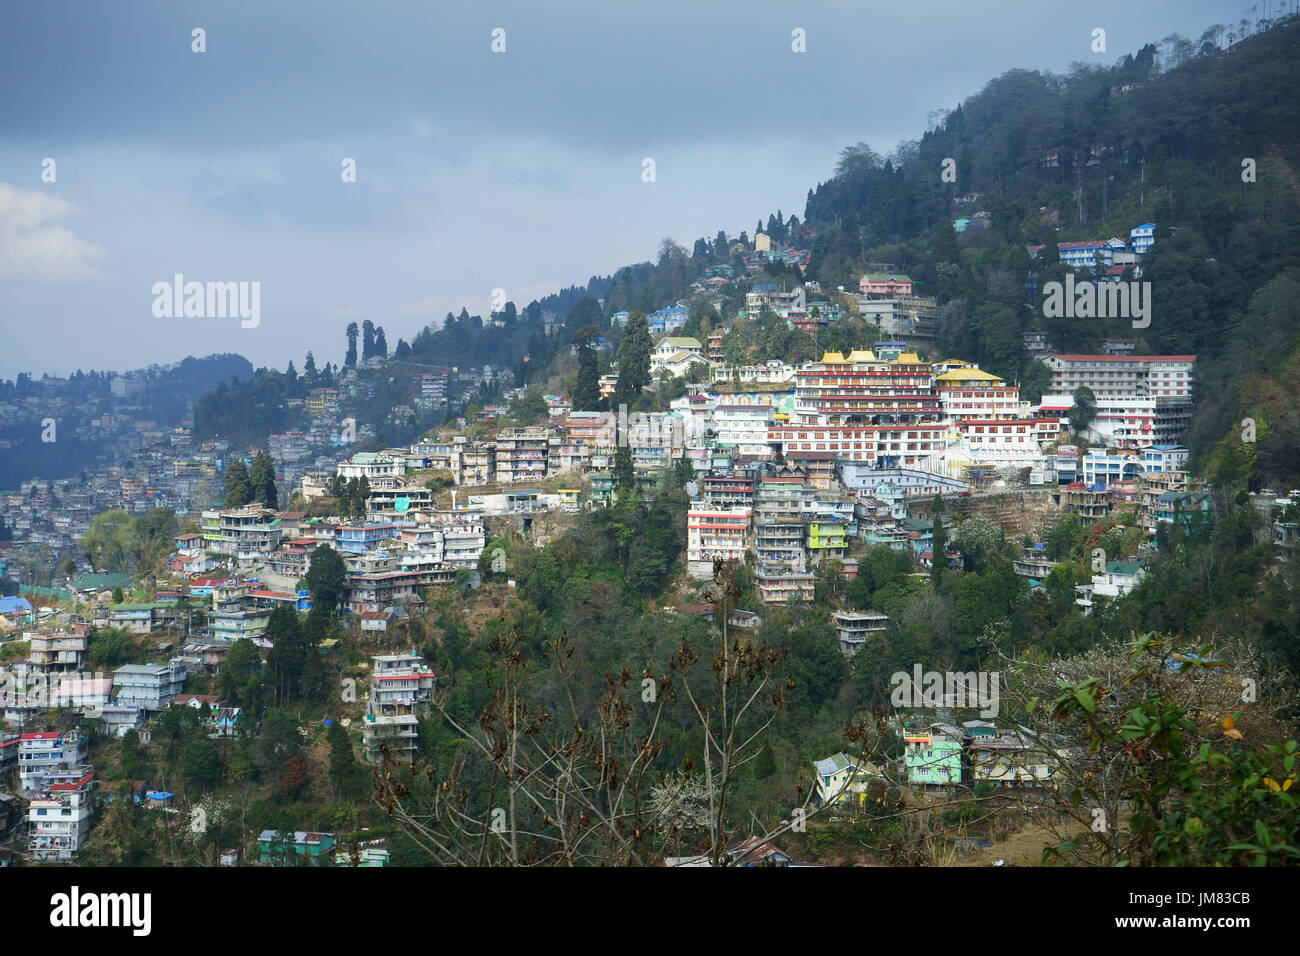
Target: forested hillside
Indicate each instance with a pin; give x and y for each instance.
(1089, 156)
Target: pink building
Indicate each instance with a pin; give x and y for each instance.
(885, 286)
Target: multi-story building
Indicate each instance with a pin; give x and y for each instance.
(597, 430)
(1118, 580)
(774, 372)
(380, 590)
(827, 538)
(401, 691)
(1142, 237)
(246, 533)
(778, 585)
(1033, 563)
(864, 408)
(380, 469)
(714, 533)
(321, 400)
(1001, 441)
(521, 455)
(742, 428)
(474, 464)
(570, 456)
(232, 617)
(433, 387)
(969, 393)
(766, 298)
(1085, 255)
(150, 687)
(932, 758)
(1168, 378)
(362, 538)
(138, 618)
(729, 490)
(842, 779)
(1090, 504)
(463, 536)
(854, 628)
(1164, 459)
(779, 541)
(1129, 423)
(59, 819)
(46, 758)
(57, 652)
(817, 466)
(1006, 759)
(655, 439)
(913, 319)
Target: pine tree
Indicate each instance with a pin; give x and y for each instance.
(367, 340)
(634, 356)
(239, 488)
(586, 390)
(350, 360)
(262, 480)
(938, 563)
(343, 762)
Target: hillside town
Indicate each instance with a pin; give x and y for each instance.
(952, 521)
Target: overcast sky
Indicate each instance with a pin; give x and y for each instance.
(475, 170)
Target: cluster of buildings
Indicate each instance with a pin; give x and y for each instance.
(56, 675)
(941, 755)
(145, 464)
(1112, 257)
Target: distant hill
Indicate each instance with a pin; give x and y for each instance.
(165, 396)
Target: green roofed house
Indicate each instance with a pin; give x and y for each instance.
(1118, 580)
(675, 354)
(280, 846)
(93, 587)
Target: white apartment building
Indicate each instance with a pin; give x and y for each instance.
(463, 536)
(380, 469)
(59, 819)
(774, 372)
(714, 533)
(1168, 378)
(1127, 423)
(401, 691)
(1118, 580)
(742, 427)
(150, 687)
(45, 758)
